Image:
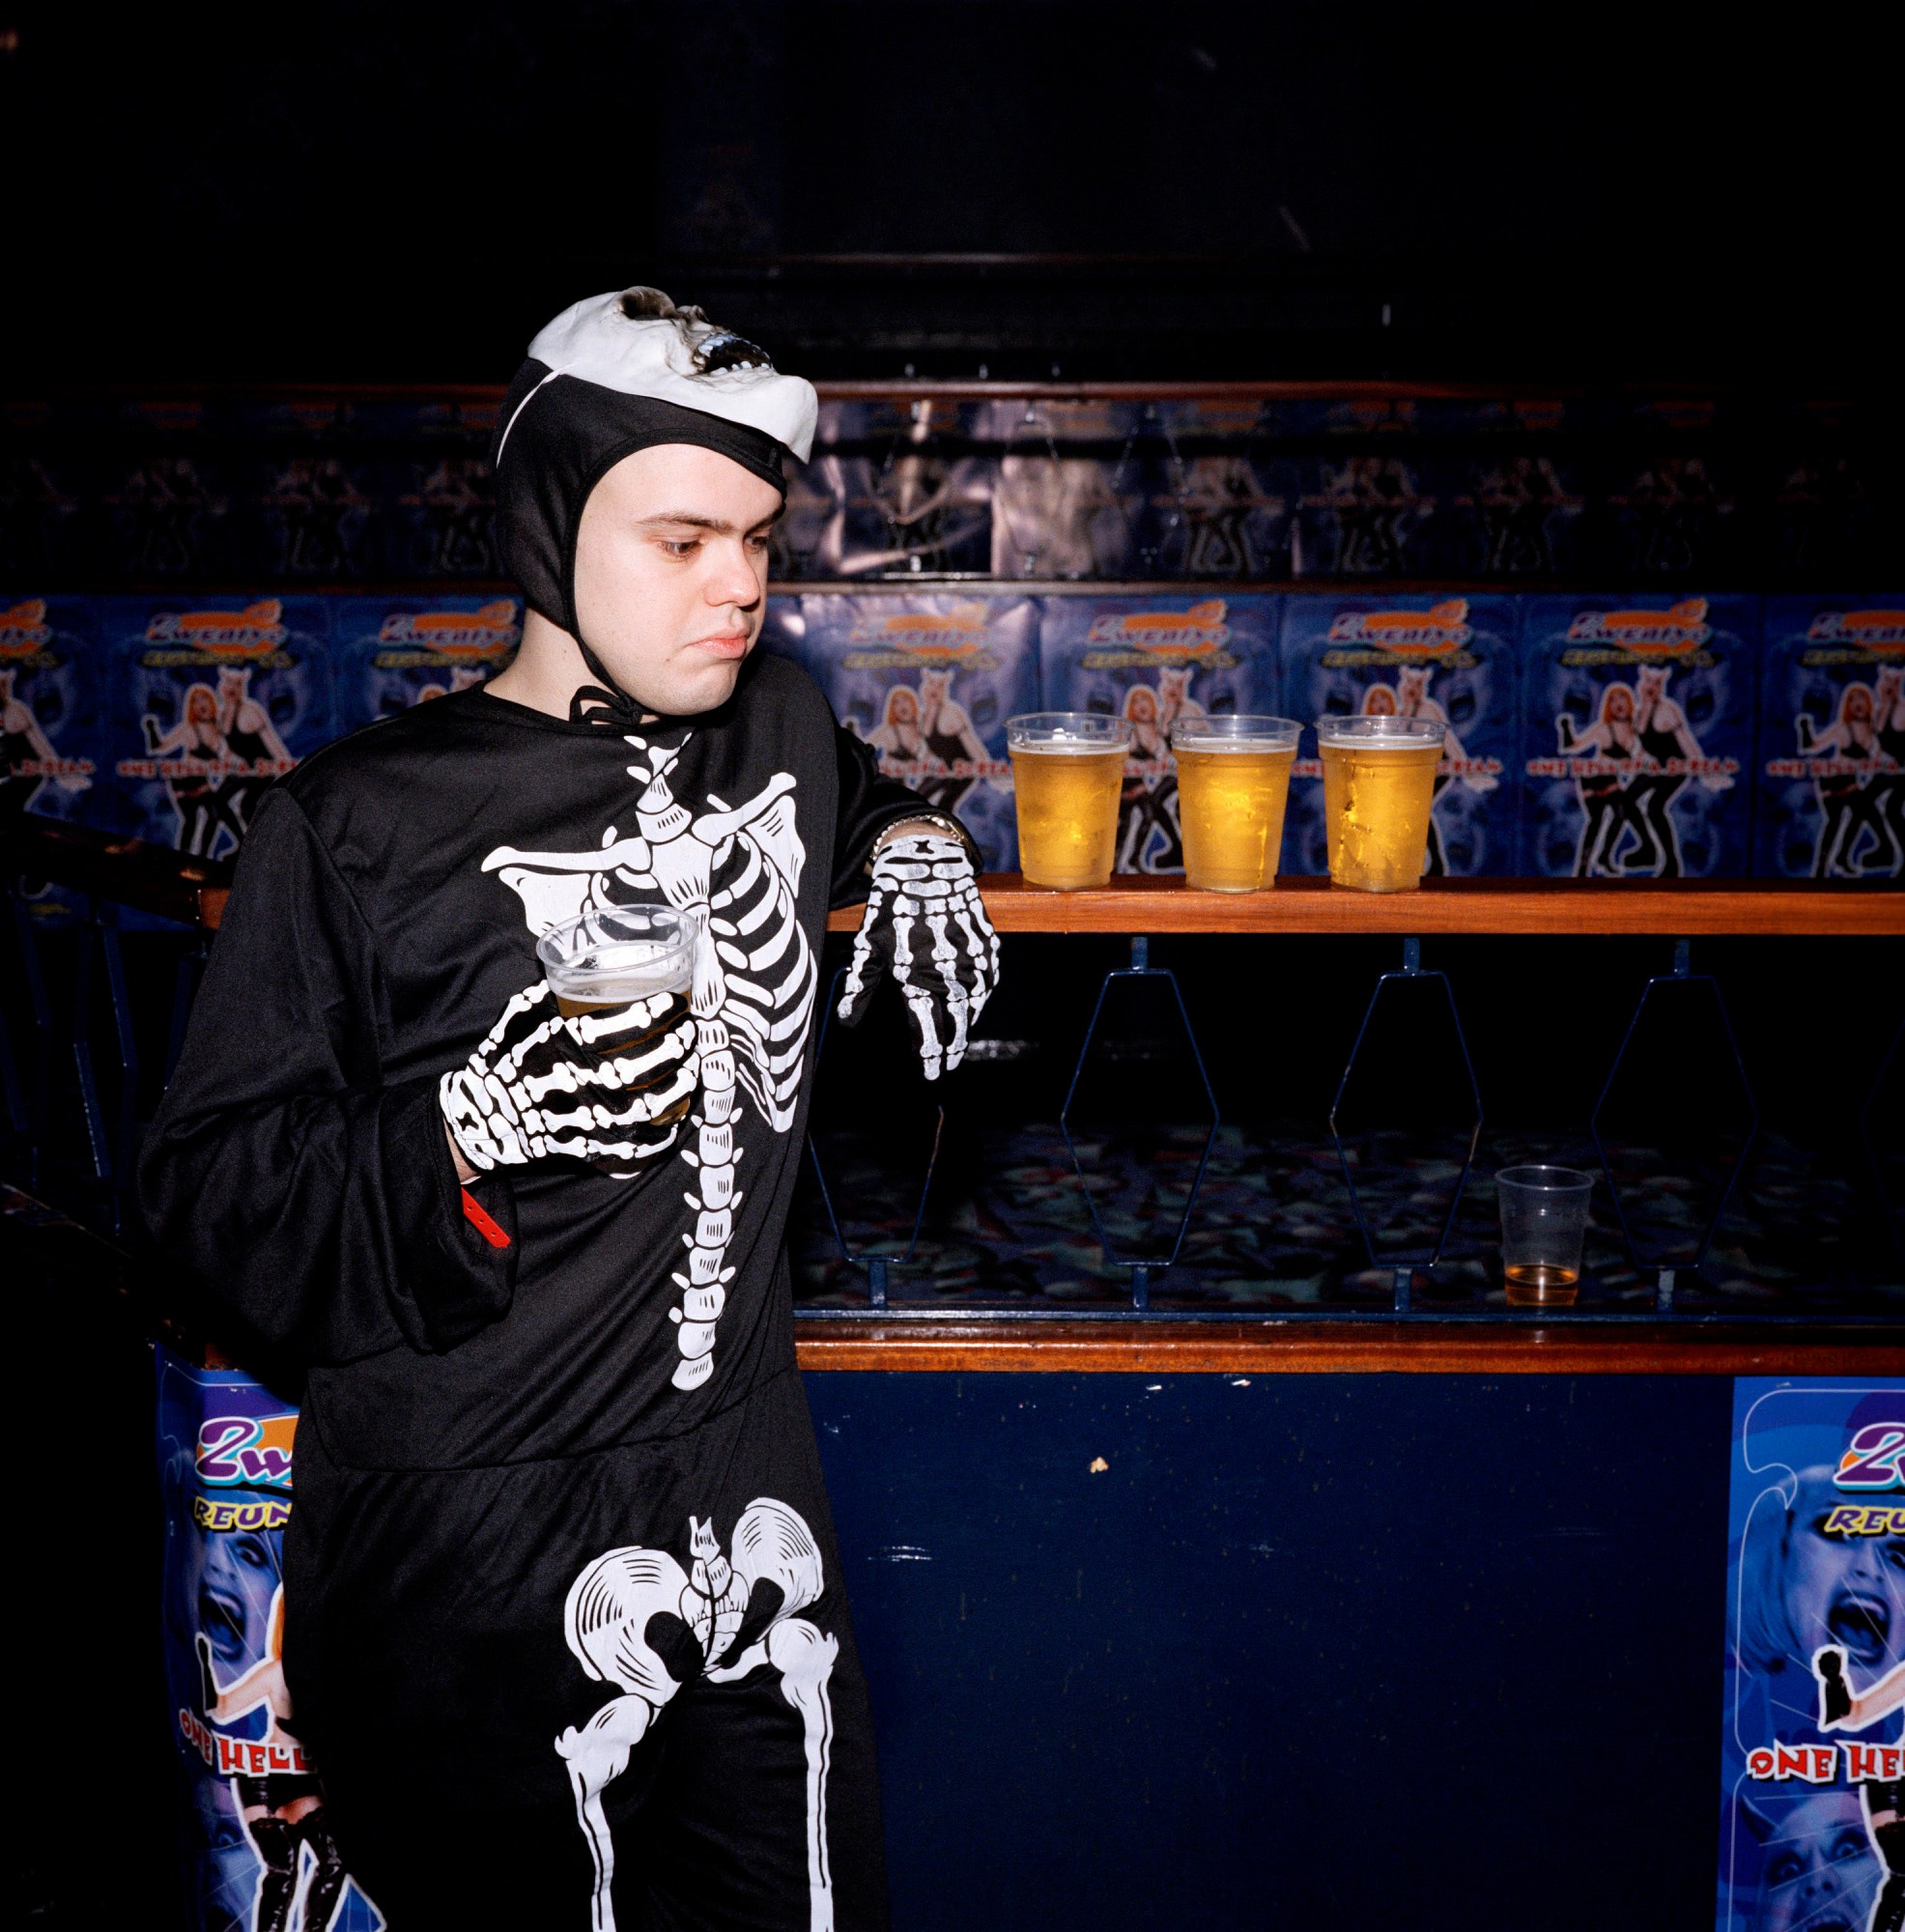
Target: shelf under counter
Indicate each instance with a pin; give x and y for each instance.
(1681, 908)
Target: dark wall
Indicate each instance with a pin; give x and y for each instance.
(360, 191)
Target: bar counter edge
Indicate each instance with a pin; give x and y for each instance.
(1297, 1346)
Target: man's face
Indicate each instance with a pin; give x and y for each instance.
(672, 574)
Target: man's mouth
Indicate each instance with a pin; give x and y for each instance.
(727, 645)
(1862, 1625)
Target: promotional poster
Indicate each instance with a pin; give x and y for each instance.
(1070, 497)
(1152, 660)
(172, 497)
(1366, 506)
(929, 681)
(256, 1846)
(1812, 1766)
(1831, 739)
(1637, 736)
(892, 488)
(211, 699)
(1448, 659)
(389, 653)
(49, 725)
(1513, 487)
(1670, 491)
(1219, 497)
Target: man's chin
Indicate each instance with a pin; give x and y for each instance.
(687, 694)
(710, 689)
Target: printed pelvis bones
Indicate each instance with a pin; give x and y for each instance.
(755, 981)
(606, 1620)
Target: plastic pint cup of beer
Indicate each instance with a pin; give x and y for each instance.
(617, 954)
(1378, 782)
(1232, 784)
(1068, 773)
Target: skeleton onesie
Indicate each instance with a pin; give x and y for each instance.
(484, 1427)
(552, 1439)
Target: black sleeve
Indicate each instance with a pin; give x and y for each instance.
(317, 1202)
(869, 803)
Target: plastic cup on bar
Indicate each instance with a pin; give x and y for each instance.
(1232, 784)
(1544, 1227)
(1067, 772)
(1378, 780)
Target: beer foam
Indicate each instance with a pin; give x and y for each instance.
(625, 970)
(1069, 748)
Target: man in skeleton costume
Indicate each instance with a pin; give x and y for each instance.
(564, 1628)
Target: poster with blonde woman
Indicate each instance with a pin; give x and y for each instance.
(929, 681)
(1831, 739)
(1153, 661)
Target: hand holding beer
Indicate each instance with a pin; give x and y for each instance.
(639, 957)
(1232, 784)
(1067, 772)
(599, 1060)
(1378, 782)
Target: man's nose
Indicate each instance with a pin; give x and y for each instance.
(732, 579)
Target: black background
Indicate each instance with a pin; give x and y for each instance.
(368, 193)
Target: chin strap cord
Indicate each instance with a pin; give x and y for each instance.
(603, 705)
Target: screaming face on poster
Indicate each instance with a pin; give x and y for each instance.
(259, 1854)
(1813, 1770)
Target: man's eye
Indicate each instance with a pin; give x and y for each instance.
(759, 540)
(681, 547)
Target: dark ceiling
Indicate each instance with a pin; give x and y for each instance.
(362, 193)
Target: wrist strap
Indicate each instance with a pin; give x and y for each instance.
(948, 825)
(484, 1222)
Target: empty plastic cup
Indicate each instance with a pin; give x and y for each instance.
(1544, 1227)
(1068, 773)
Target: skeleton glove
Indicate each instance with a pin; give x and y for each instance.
(926, 925)
(610, 1088)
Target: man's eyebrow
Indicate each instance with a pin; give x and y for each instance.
(718, 525)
